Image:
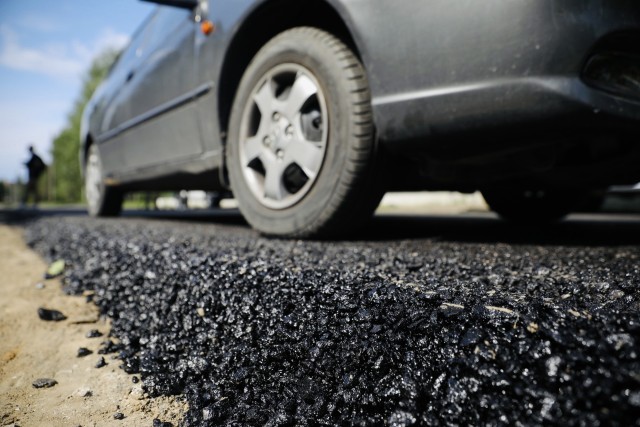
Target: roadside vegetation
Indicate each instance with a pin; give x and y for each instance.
(62, 181)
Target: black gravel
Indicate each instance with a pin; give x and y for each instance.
(50, 315)
(415, 332)
(94, 333)
(83, 351)
(101, 363)
(44, 383)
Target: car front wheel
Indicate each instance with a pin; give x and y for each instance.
(301, 146)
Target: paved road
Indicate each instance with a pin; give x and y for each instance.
(586, 229)
(430, 320)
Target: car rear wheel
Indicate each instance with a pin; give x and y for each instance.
(102, 200)
(535, 205)
(301, 146)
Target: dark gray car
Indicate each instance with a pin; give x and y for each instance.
(310, 110)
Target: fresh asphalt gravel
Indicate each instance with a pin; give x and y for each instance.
(410, 331)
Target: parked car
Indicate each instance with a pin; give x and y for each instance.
(309, 111)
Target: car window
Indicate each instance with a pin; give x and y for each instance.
(165, 23)
(128, 56)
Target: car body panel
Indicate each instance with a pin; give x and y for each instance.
(506, 62)
(438, 70)
(159, 83)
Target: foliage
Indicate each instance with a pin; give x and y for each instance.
(65, 173)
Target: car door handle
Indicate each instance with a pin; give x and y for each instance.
(130, 75)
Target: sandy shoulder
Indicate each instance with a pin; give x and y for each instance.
(31, 348)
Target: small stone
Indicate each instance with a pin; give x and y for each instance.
(375, 329)
(40, 285)
(158, 423)
(499, 309)
(44, 383)
(55, 269)
(472, 336)
(118, 416)
(135, 380)
(200, 311)
(449, 309)
(450, 305)
(82, 352)
(83, 392)
(552, 364)
(137, 392)
(101, 363)
(533, 327)
(94, 333)
(620, 340)
(617, 294)
(50, 315)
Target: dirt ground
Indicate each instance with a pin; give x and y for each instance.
(31, 349)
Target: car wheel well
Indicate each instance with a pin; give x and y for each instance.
(262, 25)
(88, 142)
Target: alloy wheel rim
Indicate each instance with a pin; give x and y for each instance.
(284, 135)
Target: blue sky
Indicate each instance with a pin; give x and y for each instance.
(46, 46)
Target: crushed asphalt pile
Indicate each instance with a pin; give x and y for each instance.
(256, 331)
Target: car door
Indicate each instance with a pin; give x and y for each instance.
(153, 119)
(109, 97)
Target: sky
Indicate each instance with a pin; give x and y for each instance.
(46, 46)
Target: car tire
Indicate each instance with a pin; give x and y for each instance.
(534, 205)
(301, 146)
(102, 200)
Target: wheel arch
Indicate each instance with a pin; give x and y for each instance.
(258, 28)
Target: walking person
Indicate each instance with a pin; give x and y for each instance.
(36, 167)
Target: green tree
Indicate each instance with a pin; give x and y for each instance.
(65, 170)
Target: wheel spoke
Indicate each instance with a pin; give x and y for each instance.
(265, 98)
(307, 155)
(273, 182)
(253, 149)
(303, 89)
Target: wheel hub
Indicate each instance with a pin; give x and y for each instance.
(280, 134)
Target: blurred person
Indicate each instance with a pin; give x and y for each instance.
(36, 167)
